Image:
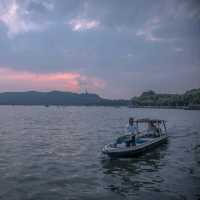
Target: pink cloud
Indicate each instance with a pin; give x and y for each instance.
(11, 79)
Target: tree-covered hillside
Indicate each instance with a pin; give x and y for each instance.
(150, 98)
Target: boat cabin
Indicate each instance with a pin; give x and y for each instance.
(154, 127)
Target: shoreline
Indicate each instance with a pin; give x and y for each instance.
(100, 105)
(170, 107)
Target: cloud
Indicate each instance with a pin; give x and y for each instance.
(11, 79)
(130, 55)
(48, 5)
(79, 24)
(16, 18)
(147, 32)
(91, 83)
(111, 37)
(178, 49)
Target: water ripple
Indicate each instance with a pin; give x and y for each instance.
(55, 153)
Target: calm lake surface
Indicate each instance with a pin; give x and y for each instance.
(54, 153)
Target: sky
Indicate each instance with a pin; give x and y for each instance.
(115, 48)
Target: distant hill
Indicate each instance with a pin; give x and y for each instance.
(190, 99)
(56, 98)
(150, 98)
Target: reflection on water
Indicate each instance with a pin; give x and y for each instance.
(55, 153)
(128, 171)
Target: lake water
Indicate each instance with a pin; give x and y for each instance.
(54, 153)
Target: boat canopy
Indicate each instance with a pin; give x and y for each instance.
(147, 120)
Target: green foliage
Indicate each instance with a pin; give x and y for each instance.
(150, 98)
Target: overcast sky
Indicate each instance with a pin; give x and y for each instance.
(116, 48)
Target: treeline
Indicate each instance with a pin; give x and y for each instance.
(150, 98)
(190, 99)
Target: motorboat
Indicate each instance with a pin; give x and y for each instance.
(147, 138)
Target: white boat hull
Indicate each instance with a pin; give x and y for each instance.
(133, 151)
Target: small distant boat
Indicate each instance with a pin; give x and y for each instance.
(145, 141)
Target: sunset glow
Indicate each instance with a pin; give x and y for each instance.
(67, 81)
